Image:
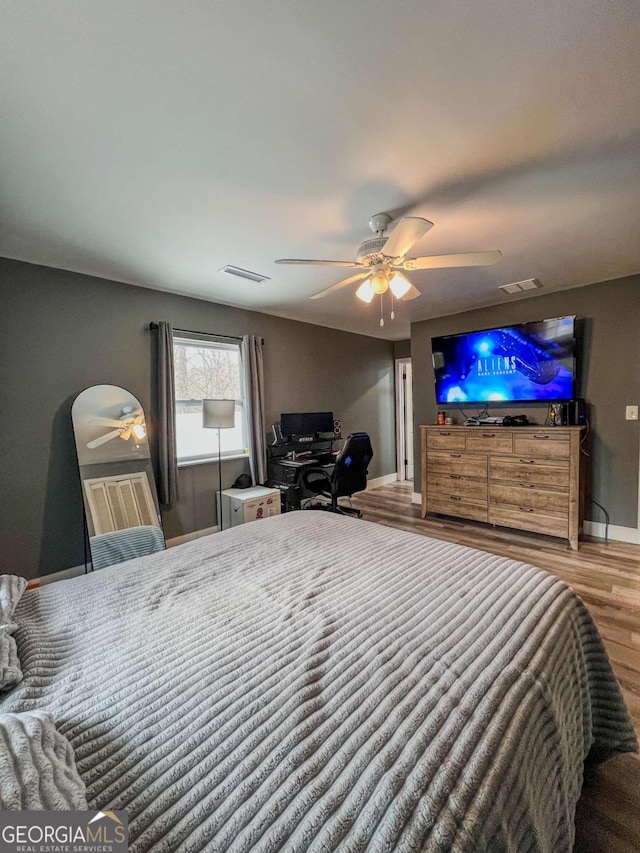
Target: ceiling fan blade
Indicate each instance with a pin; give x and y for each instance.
(104, 422)
(407, 232)
(467, 259)
(340, 284)
(319, 263)
(103, 439)
(412, 293)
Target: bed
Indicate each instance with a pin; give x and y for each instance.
(313, 683)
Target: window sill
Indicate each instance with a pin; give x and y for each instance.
(188, 463)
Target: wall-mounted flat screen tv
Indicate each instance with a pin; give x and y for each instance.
(530, 362)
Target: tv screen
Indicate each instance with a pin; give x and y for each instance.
(306, 423)
(531, 362)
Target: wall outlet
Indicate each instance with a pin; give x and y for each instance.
(632, 413)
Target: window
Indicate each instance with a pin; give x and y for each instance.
(207, 368)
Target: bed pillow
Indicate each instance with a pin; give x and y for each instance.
(11, 589)
(37, 765)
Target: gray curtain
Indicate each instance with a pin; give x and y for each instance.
(252, 368)
(166, 417)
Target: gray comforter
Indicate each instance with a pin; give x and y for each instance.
(311, 682)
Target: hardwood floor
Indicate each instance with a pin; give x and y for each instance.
(607, 578)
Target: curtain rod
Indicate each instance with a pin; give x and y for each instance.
(153, 326)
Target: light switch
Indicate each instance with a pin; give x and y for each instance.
(632, 413)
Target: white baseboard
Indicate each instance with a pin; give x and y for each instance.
(382, 481)
(416, 498)
(189, 537)
(615, 532)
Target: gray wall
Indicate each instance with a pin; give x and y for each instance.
(402, 349)
(62, 332)
(608, 333)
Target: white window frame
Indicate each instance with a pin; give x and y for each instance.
(215, 342)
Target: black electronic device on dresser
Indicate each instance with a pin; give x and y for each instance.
(573, 413)
(515, 420)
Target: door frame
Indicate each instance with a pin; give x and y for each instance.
(403, 390)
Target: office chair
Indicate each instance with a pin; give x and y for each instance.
(349, 474)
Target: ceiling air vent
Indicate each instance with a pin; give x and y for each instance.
(519, 286)
(256, 277)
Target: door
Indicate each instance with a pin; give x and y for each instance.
(404, 419)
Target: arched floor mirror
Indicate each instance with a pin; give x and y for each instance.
(118, 487)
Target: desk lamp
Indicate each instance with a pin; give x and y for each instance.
(219, 414)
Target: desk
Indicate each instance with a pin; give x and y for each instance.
(286, 475)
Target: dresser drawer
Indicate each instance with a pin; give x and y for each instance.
(463, 464)
(490, 441)
(530, 519)
(530, 496)
(547, 444)
(458, 506)
(513, 469)
(455, 484)
(446, 440)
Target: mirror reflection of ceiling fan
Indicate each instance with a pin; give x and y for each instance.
(128, 425)
(382, 261)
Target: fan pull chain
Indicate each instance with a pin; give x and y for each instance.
(381, 306)
(393, 316)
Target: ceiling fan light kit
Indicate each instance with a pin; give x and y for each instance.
(128, 425)
(381, 260)
(380, 282)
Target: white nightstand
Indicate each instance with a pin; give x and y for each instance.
(242, 505)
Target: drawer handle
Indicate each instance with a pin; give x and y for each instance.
(526, 509)
(528, 461)
(444, 433)
(455, 455)
(488, 435)
(455, 476)
(527, 485)
(541, 436)
(454, 498)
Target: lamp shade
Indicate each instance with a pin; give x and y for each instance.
(365, 291)
(218, 414)
(400, 285)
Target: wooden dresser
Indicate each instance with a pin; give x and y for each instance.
(530, 478)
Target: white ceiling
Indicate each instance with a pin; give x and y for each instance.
(153, 142)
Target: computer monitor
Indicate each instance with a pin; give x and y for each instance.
(306, 423)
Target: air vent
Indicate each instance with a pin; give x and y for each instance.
(256, 277)
(519, 286)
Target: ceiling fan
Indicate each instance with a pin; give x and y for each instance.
(127, 426)
(382, 260)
